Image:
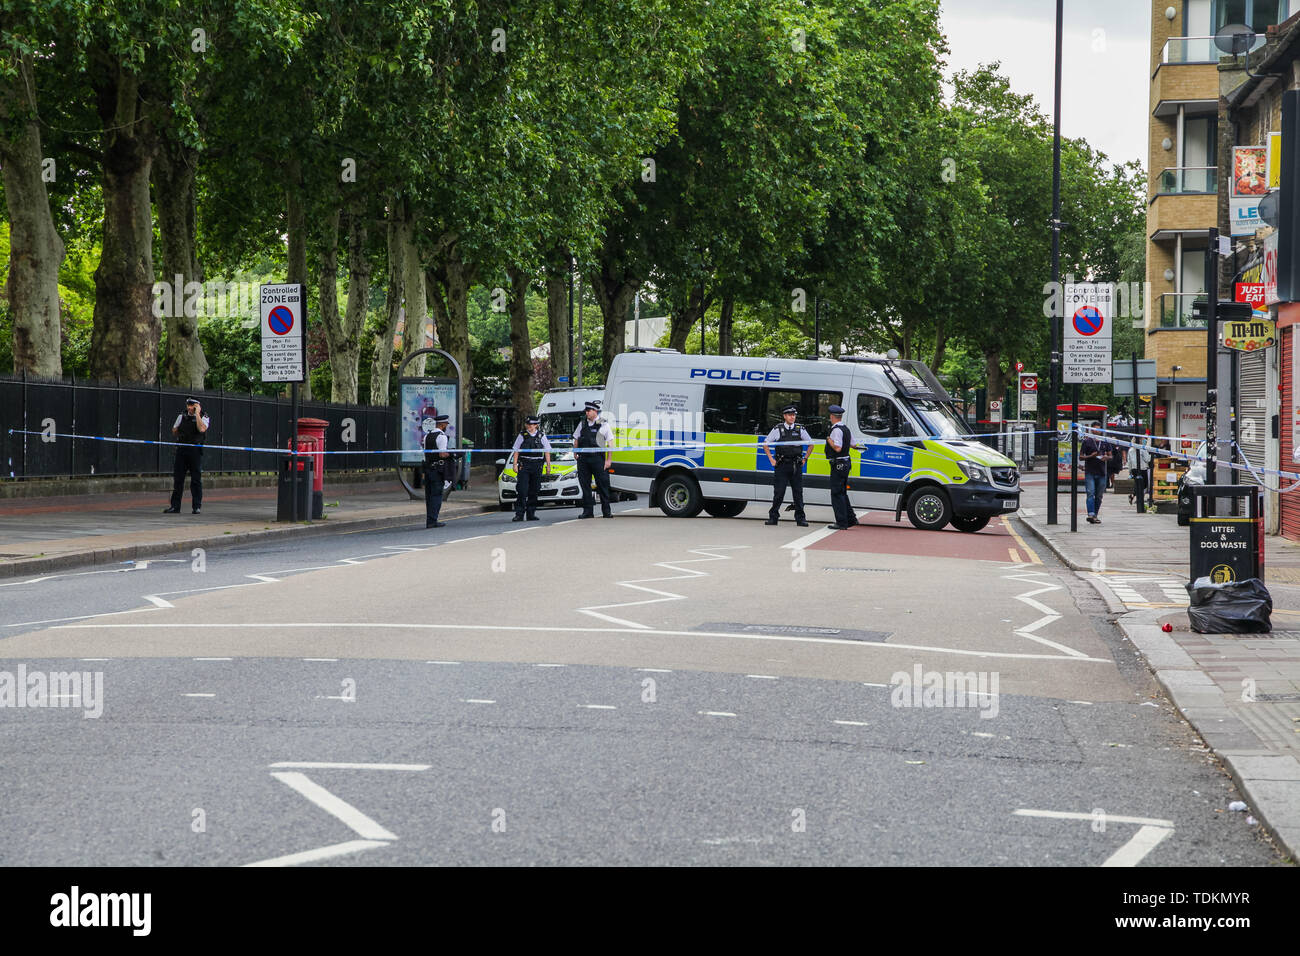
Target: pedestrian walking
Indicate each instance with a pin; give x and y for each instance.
(838, 452)
(437, 462)
(1138, 461)
(791, 454)
(1095, 453)
(529, 457)
(594, 433)
(190, 430)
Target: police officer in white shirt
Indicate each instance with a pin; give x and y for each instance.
(838, 452)
(530, 454)
(190, 429)
(437, 461)
(593, 433)
(788, 460)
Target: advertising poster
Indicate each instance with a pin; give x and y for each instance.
(422, 398)
(1249, 184)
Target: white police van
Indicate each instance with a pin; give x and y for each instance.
(697, 423)
(560, 411)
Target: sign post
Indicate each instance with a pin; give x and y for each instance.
(284, 353)
(1028, 393)
(1089, 308)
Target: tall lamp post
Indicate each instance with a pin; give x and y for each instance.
(1055, 373)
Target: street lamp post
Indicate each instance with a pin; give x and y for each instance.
(1055, 368)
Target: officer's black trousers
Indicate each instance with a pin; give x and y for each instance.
(840, 468)
(432, 494)
(188, 459)
(592, 465)
(789, 472)
(526, 489)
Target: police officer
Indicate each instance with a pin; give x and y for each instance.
(530, 454)
(189, 429)
(437, 460)
(788, 461)
(593, 433)
(838, 445)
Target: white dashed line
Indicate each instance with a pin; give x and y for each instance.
(550, 665)
(312, 765)
(762, 677)
(715, 713)
(654, 670)
(598, 706)
(96, 658)
(442, 662)
(322, 660)
(213, 658)
(1086, 703)
(853, 723)
(875, 685)
(476, 700)
(198, 695)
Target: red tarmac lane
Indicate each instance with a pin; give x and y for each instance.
(878, 533)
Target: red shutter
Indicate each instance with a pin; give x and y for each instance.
(1289, 504)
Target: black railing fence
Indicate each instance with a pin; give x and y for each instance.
(144, 412)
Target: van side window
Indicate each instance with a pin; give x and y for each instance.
(813, 414)
(735, 409)
(878, 416)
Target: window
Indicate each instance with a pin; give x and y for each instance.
(1258, 14)
(813, 414)
(878, 417)
(734, 409)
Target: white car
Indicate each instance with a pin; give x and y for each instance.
(560, 487)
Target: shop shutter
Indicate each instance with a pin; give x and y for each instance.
(1252, 410)
(1289, 504)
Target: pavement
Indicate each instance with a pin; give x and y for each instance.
(1240, 692)
(54, 533)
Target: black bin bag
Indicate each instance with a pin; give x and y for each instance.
(1233, 607)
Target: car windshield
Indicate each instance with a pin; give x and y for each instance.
(939, 420)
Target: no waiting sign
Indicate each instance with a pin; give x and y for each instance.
(284, 330)
(1089, 309)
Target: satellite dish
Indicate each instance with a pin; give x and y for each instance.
(1235, 39)
(1269, 206)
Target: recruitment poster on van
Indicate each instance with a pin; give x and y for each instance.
(1088, 310)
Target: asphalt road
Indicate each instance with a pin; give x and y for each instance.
(641, 690)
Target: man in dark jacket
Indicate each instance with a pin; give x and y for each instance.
(189, 430)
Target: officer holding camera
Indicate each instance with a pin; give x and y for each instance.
(189, 430)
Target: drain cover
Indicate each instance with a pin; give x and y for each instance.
(798, 630)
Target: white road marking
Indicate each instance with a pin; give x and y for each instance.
(476, 700)
(655, 670)
(715, 713)
(81, 617)
(649, 632)
(1050, 616)
(636, 584)
(71, 574)
(1148, 837)
(874, 685)
(550, 665)
(314, 765)
(853, 723)
(323, 853)
(442, 662)
(95, 658)
(1086, 703)
(156, 601)
(799, 544)
(976, 733)
(361, 824)
(598, 706)
(1110, 817)
(213, 658)
(322, 660)
(762, 677)
(198, 695)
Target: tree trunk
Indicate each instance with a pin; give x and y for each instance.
(125, 336)
(416, 334)
(343, 334)
(557, 315)
(296, 217)
(449, 282)
(996, 378)
(383, 362)
(940, 345)
(613, 293)
(174, 170)
(35, 249)
(724, 326)
(521, 363)
(684, 319)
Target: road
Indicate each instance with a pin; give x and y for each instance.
(642, 690)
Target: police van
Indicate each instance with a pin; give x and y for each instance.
(699, 422)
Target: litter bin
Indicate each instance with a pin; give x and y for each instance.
(284, 510)
(313, 430)
(1227, 540)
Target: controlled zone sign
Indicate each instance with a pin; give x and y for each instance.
(284, 332)
(1088, 311)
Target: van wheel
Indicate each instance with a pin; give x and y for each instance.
(679, 497)
(928, 508)
(724, 509)
(969, 523)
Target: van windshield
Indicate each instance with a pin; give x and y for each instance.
(939, 420)
(560, 425)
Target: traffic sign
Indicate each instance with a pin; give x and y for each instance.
(284, 321)
(1020, 366)
(1089, 310)
(1028, 393)
(1029, 383)
(1122, 379)
(995, 411)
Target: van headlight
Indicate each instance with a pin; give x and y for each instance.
(975, 472)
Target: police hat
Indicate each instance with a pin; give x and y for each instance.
(442, 419)
(191, 400)
(592, 406)
(836, 409)
(790, 410)
(532, 420)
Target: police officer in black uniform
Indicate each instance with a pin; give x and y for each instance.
(530, 454)
(787, 462)
(437, 462)
(190, 428)
(838, 445)
(593, 433)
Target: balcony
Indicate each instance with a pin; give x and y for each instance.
(1198, 49)
(1189, 179)
(1176, 310)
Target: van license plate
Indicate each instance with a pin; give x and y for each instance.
(1010, 505)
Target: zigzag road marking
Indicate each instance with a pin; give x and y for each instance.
(1050, 616)
(636, 584)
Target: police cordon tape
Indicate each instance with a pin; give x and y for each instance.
(674, 446)
(1244, 465)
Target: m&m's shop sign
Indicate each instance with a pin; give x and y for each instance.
(1250, 335)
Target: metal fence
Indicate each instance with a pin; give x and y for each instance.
(144, 412)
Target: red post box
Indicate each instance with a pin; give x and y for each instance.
(311, 439)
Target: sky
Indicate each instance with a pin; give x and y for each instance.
(1105, 54)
